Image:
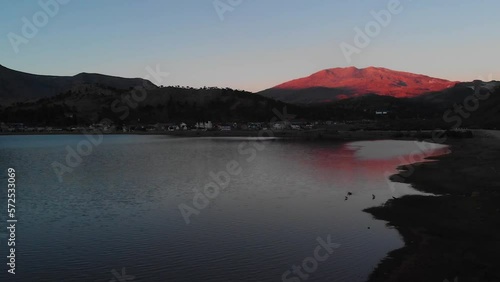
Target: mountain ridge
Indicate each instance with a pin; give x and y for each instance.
(18, 86)
(348, 82)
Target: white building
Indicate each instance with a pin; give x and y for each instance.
(204, 125)
(279, 126)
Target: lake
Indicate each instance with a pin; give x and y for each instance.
(159, 208)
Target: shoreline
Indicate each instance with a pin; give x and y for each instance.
(455, 233)
(318, 134)
(451, 235)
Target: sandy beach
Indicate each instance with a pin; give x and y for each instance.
(453, 235)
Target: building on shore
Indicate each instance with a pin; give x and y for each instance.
(204, 125)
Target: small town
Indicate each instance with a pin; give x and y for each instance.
(182, 127)
(231, 140)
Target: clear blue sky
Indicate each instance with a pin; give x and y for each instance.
(258, 44)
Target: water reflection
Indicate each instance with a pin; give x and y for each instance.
(120, 208)
(363, 165)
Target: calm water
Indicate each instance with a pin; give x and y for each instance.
(120, 208)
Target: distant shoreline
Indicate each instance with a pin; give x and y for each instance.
(321, 134)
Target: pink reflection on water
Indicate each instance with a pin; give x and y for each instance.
(369, 160)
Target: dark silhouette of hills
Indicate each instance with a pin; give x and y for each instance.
(16, 86)
(90, 103)
(88, 98)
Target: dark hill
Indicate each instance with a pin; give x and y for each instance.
(16, 86)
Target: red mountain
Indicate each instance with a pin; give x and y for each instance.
(340, 83)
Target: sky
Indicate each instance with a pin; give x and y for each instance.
(250, 44)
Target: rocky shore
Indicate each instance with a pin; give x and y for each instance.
(454, 236)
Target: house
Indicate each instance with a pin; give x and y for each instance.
(298, 124)
(254, 125)
(279, 126)
(224, 127)
(204, 125)
(151, 127)
(3, 127)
